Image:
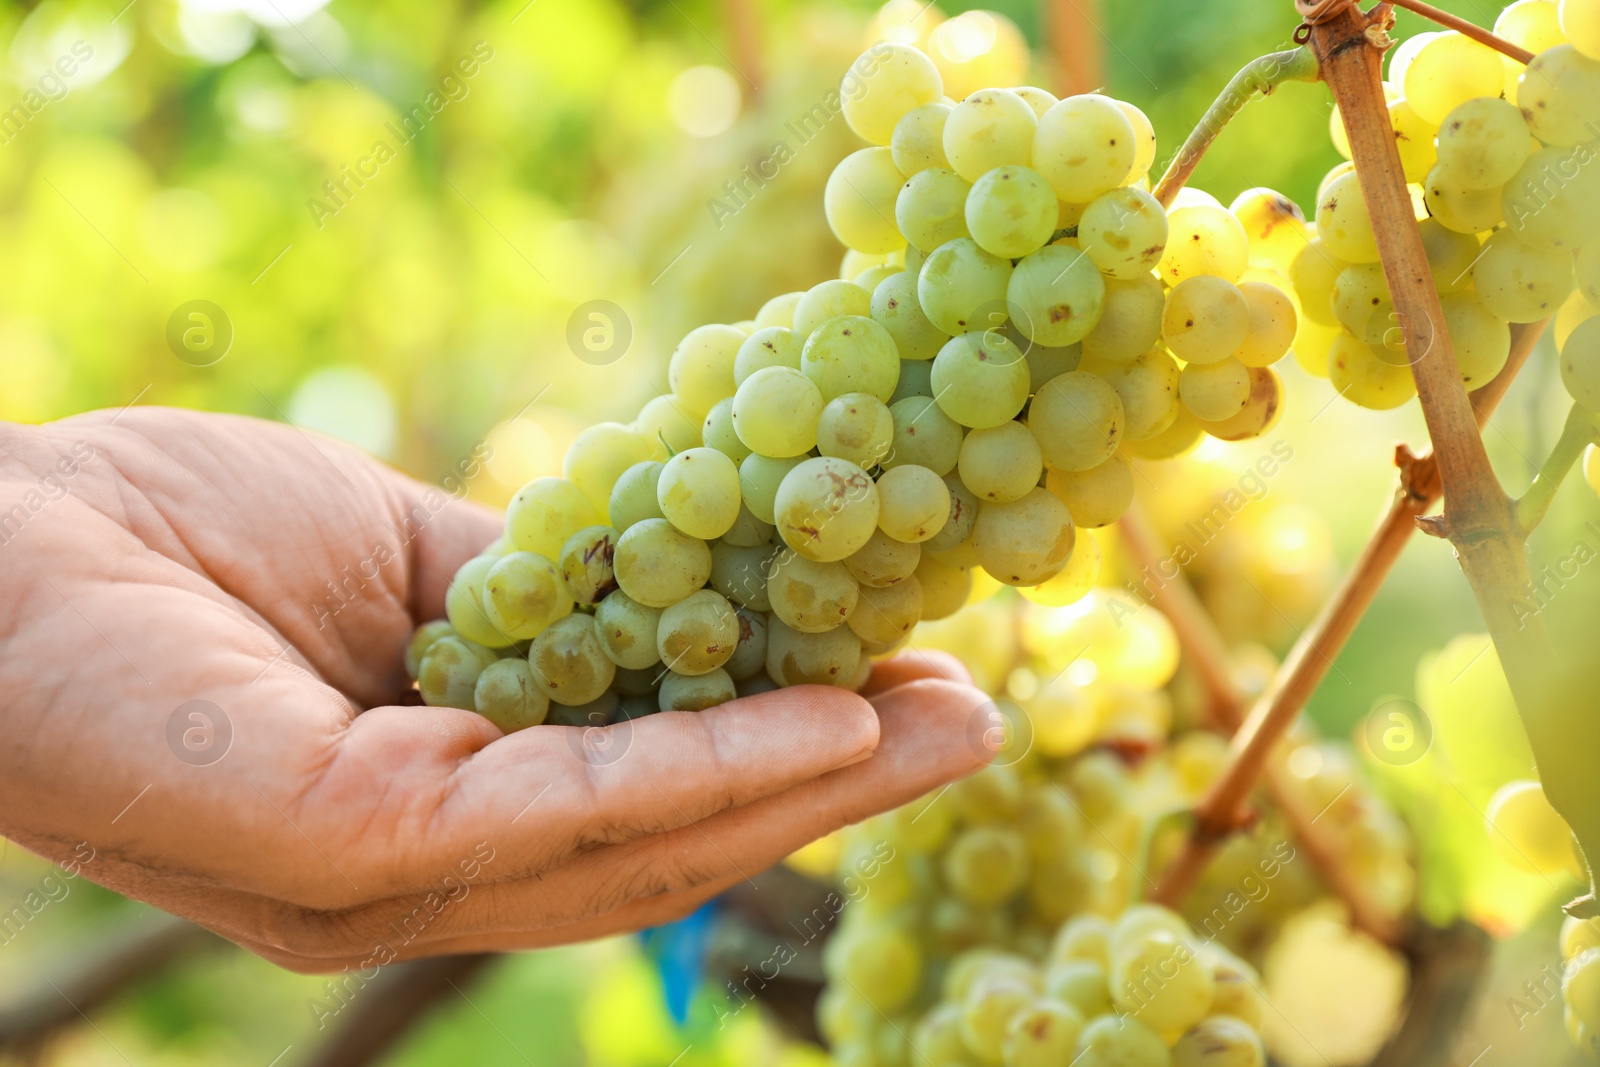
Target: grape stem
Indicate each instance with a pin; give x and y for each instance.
(1575, 435)
(1259, 77)
(1275, 712)
(1479, 518)
(1467, 29)
(744, 33)
(1074, 29)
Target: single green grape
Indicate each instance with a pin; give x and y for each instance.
(658, 565)
(779, 311)
(1559, 96)
(1368, 376)
(587, 565)
(1458, 208)
(1580, 365)
(851, 354)
(1081, 983)
(1025, 542)
(986, 865)
(1010, 212)
(930, 208)
(423, 638)
(627, 631)
(465, 608)
(795, 658)
(570, 661)
(991, 128)
(696, 692)
(1362, 303)
(750, 655)
(636, 496)
(759, 479)
(1206, 319)
(895, 307)
(945, 588)
(917, 143)
(1055, 296)
(1002, 463)
(980, 380)
(1219, 1041)
(1343, 225)
(1044, 1034)
(829, 300)
(1519, 283)
(882, 85)
(1078, 421)
(698, 634)
(775, 412)
(1130, 320)
(718, 432)
(1481, 339)
(1449, 70)
(770, 346)
(1125, 232)
(1085, 146)
(1314, 272)
(699, 492)
(598, 456)
(700, 371)
(961, 287)
(1096, 497)
(859, 199)
(1273, 324)
(1148, 389)
(887, 616)
(448, 672)
(1118, 1041)
(1483, 143)
(510, 695)
(856, 427)
(924, 436)
(1204, 239)
(883, 562)
(826, 509)
(741, 574)
(914, 503)
(546, 512)
(811, 597)
(1553, 204)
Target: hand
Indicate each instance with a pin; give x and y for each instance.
(158, 557)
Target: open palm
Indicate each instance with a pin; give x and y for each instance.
(200, 635)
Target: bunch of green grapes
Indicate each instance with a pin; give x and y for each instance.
(1501, 164)
(829, 473)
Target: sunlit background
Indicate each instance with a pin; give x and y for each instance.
(398, 214)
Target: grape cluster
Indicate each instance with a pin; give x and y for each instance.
(1502, 163)
(824, 476)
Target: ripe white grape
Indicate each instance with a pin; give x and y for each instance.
(1096, 497)
(1085, 146)
(448, 673)
(759, 478)
(1130, 319)
(1315, 271)
(980, 380)
(945, 588)
(896, 308)
(1414, 137)
(775, 412)
(718, 432)
(991, 128)
(1002, 463)
(1461, 209)
(509, 695)
(827, 509)
(1125, 232)
(1214, 391)
(1080, 983)
(1144, 136)
(1451, 255)
(1449, 70)
(1258, 413)
(1204, 239)
(682, 692)
(1148, 389)
(740, 573)
(586, 566)
(1206, 319)
(701, 369)
(1580, 364)
(522, 594)
(795, 658)
(658, 565)
(859, 201)
(1554, 201)
(422, 639)
(1273, 224)
(1483, 143)
(1158, 978)
(1343, 225)
(770, 346)
(699, 490)
(665, 420)
(960, 283)
(931, 208)
(1219, 1041)
(829, 300)
(1056, 296)
(1559, 95)
(779, 311)
(1366, 378)
(963, 517)
(1519, 283)
(1580, 988)
(924, 436)
(1118, 1041)
(1025, 542)
(1580, 21)
(1532, 24)
(1010, 212)
(885, 82)
(914, 503)
(1078, 420)
(887, 615)
(856, 427)
(1528, 832)
(1273, 324)
(698, 634)
(1038, 99)
(570, 662)
(851, 354)
(598, 456)
(1480, 338)
(918, 139)
(546, 512)
(627, 631)
(1362, 303)
(883, 561)
(1045, 362)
